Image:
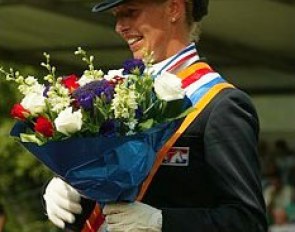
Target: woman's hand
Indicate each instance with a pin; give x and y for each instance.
(132, 217)
(62, 202)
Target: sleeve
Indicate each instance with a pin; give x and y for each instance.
(230, 141)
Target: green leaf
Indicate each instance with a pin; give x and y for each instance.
(146, 124)
(31, 138)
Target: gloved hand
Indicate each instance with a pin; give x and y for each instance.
(62, 202)
(132, 217)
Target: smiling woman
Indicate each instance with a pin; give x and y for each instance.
(210, 179)
(156, 34)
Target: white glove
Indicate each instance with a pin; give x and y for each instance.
(132, 217)
(62, 202)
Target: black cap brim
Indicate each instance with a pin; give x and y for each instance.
(105, 5)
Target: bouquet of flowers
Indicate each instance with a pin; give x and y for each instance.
(100, 132)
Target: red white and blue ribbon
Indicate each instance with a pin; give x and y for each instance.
(183, 59)
(198, 88)
(199, 81)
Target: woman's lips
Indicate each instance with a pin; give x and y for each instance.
(134, 43)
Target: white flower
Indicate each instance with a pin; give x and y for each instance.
(131, 125)
(68, 122)
(59, 103)
(34, 102)
(84, 80)
(124, 103)
(90, 76)
(30, 84)
(113, 73)
(58, 98)
(168, 87)
(30, 80)
(27, 89)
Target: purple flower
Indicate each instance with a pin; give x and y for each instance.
(45, 91)
(86, 100)
(133, 66)
(138, 113)
(86, 94)
(108, 128)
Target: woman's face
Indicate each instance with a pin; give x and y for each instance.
(145, 26)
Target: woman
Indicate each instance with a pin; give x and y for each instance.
(217, 187)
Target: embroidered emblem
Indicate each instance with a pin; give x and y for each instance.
(177, 156)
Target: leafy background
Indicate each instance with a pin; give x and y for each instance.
(22, 177)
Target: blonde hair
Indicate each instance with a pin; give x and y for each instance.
(195, 31)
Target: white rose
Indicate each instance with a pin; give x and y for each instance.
(113, 73)
(68, 122)
(168, 87)
(34, 102)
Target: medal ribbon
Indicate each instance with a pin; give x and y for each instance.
(185, 57)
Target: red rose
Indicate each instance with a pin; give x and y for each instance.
(71, 82)
(19, 112)
(44, 126)
(116, 80)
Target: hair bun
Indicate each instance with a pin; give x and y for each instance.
(200, 9)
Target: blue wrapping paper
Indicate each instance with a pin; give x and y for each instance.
(105, 169)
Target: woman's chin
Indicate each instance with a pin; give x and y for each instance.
(138, 54)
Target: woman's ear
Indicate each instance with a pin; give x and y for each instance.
(176, 9)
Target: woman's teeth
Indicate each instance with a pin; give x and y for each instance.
(134, 40)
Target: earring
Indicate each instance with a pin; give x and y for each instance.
(173, 20)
